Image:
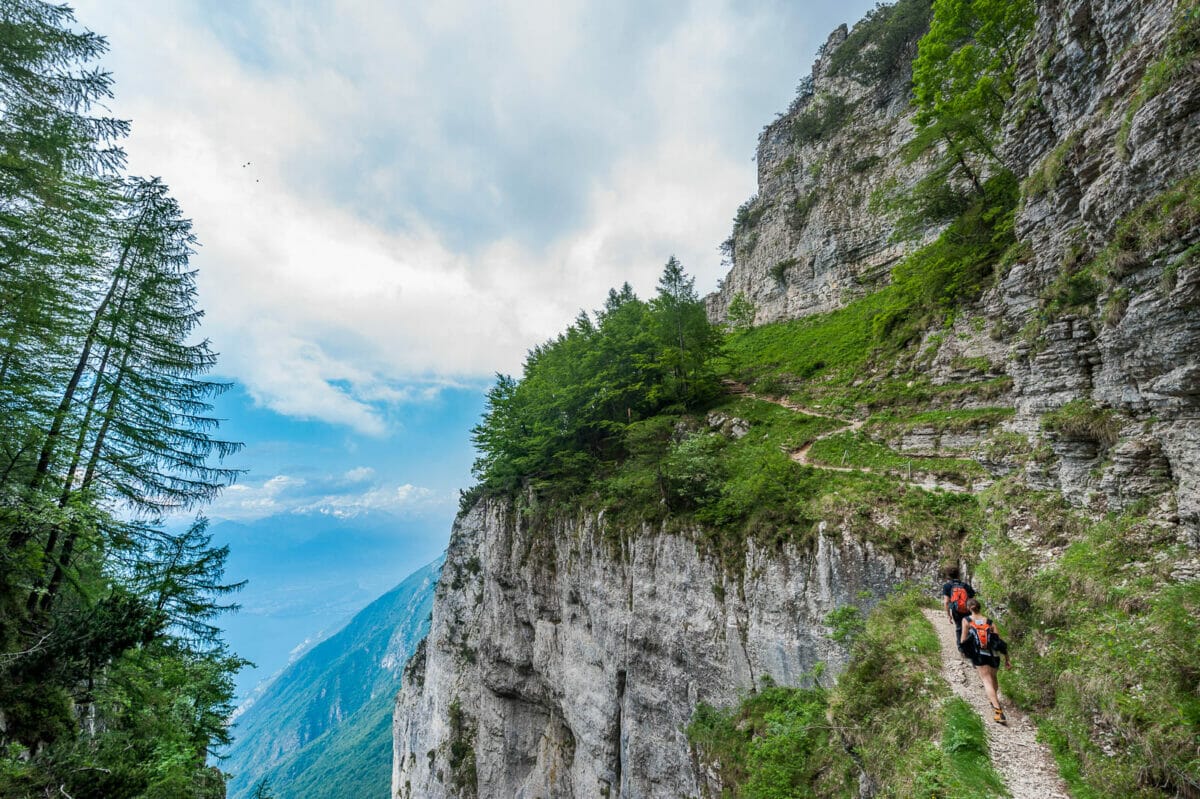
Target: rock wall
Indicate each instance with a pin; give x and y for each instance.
(811, 239)
(569, 664)
(1083, 125)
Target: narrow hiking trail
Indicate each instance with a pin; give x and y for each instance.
(1027, 767)
(848, 425)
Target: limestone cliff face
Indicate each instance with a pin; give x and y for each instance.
(811, 240)
(1086, 129)
(561, 663)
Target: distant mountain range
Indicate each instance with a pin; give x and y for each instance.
(322, 728)
(309, 573)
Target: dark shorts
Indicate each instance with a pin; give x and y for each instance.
(985, 659)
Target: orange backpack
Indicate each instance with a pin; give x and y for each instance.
(983, 633)
(958, 598)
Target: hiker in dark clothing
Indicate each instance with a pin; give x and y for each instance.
(984, 647)
(955, 594)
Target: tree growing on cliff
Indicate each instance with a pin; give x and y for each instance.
(963, 77)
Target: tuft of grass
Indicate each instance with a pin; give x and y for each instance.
(887, 701)
(1081, 418)
(776, 744)
(968, 770)
(1179, 55)
(890, 424)
(1045, 175)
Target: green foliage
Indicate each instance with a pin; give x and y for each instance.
(798, 211)
(824, 116)
(113, 678)
(883, 42)
(1080, 418)
(966, 764)
(856, 449)
(581, 392)
(1178, 57)
(1044, 176)
(887, 711)
(893, 425)
(1155, 225)
(460, 755)
(741, 312)
(887, 701)
(1105, 642)
(962, 80)
(779, 270)
(776, 744)
(748, 215)
(846, 623)
(953, 269)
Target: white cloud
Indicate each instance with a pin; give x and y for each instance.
(351, 494)
(393, 197)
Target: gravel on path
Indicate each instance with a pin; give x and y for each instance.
(1026, 765)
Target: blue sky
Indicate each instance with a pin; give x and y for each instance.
(396, 200)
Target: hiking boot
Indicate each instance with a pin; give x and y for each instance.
(998, 715)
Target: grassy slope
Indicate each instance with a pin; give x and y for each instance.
(1108, 634)
(890, 714)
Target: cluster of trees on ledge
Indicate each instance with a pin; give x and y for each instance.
(631, 361)
(114, 679)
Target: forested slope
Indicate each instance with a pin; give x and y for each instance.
(960, 325)
(114, 680)
(321, 728)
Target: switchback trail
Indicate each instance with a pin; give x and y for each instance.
(1026, 766)
(848, 425)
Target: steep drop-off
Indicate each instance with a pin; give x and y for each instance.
(321, 728)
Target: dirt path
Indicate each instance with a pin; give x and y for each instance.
(1026, 766)
(848, 425)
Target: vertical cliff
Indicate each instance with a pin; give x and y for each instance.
(1103, 310)
(565, 657)
(813, 237)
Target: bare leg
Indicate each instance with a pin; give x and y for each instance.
(988, 675)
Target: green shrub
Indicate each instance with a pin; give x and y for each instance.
(799, 210)
(776, 744)
(883, 42)
(824, 116)
(779, 270)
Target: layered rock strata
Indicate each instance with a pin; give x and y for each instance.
(566, 661)
(812, 239)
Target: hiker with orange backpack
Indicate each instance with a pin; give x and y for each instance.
(955, 595)
(984, 646)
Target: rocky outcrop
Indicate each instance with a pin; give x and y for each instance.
(566, 660)
(1097, 140)
(811, 240)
